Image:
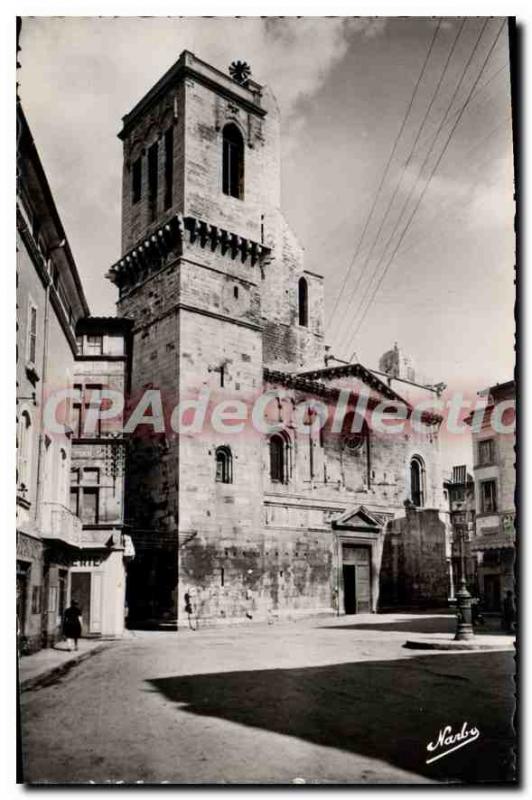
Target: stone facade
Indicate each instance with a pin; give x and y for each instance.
(98, 572)
(214, 283)
(414, 570)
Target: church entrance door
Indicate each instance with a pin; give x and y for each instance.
(357, 578)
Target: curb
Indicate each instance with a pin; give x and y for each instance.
(420, 644)
(43, 678)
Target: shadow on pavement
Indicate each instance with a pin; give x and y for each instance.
(388, 710)
(424, 624)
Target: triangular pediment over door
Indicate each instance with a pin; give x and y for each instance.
(358, 519)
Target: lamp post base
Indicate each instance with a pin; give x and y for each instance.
(464, 623)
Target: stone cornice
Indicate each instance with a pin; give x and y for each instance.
(156, 251)
(192, 68)
(306, 382)
(355, 371)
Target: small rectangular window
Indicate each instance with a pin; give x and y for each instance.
(94, 345)
(91, 475)
(152, 180)
(136, 182)
(168, 167)
(486, 452)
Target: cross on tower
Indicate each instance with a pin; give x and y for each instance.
(221, 370)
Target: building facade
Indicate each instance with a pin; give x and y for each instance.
(494, 461)
(51, 535)
(97, 476)
(258, 521)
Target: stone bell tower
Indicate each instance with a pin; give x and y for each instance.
(211, 277)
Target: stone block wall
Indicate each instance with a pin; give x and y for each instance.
(414, 572)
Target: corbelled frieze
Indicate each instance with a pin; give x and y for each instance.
(157, 249)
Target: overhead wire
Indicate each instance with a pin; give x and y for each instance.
(387, 167)
(433, 171)
(443, 121)
(404, 169)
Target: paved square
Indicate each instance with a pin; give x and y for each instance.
(319, 700)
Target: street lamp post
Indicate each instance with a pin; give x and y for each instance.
(464, 626)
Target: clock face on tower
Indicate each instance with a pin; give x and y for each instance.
(240, 71)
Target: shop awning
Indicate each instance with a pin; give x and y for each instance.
(493, 541)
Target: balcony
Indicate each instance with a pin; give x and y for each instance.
(59, 524)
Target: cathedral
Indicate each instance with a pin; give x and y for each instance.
(284, 519)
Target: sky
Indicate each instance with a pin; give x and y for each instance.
(344, 87)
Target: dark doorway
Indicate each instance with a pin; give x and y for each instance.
(80, 591)
(356, 573)
(492, 592)
(22, 597)
(350, 593)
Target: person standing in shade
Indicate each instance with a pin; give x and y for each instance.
(72, 624)
(508, 613)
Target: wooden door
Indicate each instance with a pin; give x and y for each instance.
(357, 578)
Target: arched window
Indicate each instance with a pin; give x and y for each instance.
(355, 432)
(24, 450)
(417, 481)
(233, 162)
(279, 458)
(303, 302)
(224, 465)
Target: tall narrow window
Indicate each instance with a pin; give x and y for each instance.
(417, 481)
(152, 180)
(488, 497)
(279, 458)
(233, 162)
(32, 333)
(24, 450)
(224, 465)
(92, 426)
(168, 167)
(74, 500)
(136, 180)
(303, 302)
(90, 506)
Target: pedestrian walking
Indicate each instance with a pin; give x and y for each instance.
(72, 624)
